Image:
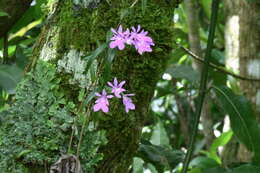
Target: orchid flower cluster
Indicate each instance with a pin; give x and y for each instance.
(136, 37)
(102, 102)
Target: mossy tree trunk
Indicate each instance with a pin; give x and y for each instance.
(72, 32)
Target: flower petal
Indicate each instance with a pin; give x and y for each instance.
(97, 94)
(113, 44)
(121, 84)
(110, 84)
(104, 93)
(96, 107)
(113, 30)
(105, 108)
(120, 29)
(115, 81)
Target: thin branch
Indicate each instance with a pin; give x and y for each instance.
(221, 69)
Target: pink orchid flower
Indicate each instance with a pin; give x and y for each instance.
(117, 87)
(127, 101)
(102, 102)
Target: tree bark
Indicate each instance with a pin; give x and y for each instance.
(72, 32)
(242, 52)
(249, 59)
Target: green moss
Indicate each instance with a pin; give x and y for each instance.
(38, 125)
(80, 29)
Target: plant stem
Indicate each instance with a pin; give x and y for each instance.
(203, 83)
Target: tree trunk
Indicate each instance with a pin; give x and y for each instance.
(242, 52)
(249, 59)
(72, 32)
(229, 152)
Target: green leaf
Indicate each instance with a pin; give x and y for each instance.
(24, 152)
(159, 135)
(246, 169)
(184, 72)
(111, 53)
(215, 170)
(94, 55)
(218, 57)
(203, 163)
(243, 121)
(10, 75)
(2, 13)
(21, 59)
(138, 165)
(159, 156)
(206, 4)
(195, 170)
(222, 140)
(27, 18)
(90, 97)
(38, 8)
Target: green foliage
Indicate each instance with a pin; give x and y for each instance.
(243, 120)
(246, 169)
(222, 140)
(2, 13)
(161, 157)
(203, 163)
(159, 135)
(184, 72)
(10, 75)
(38, 125)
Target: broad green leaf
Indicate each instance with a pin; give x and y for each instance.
(218, 57)
(176, 54)
(246, 169)
(10, 75)
(159, 156)
(195, 170)
(2, 13)
(27, 18)
(138, 165)
(203, 163)
(21, 59)
(215, 170)
(159, 135)
(151, 168)
(222, 140)
(183, 72)
(38, 8)
(243, 121)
